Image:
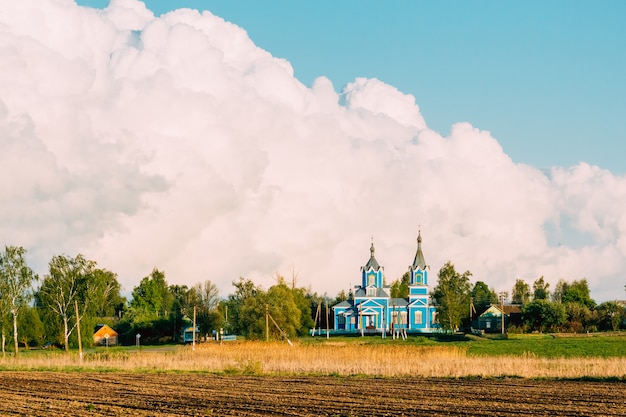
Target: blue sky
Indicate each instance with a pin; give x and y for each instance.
(185, 143)
(545, 78)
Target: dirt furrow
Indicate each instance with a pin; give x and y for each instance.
(82, 394)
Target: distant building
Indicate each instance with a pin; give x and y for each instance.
(189, 333)
(491, 320)
(371, 309)
(104, 336)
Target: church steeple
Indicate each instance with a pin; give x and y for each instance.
(372, 263)
(419, 269)
(372, 272)
(419, 261)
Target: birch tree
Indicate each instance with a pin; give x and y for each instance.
(205, 296)
(16, 279)
(4, 318)
(70, 281)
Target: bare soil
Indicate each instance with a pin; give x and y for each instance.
(138, 394)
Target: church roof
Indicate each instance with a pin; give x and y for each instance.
(398, 302)
(344, 304)
(419, 261)
(380, 292)
(372, 263)
(350, 312)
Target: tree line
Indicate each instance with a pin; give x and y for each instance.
(76, 291)
(35, 310)
(568, 308)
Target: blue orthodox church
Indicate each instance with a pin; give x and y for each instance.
(370, 307)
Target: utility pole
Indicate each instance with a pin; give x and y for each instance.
(267, 322)
(318, 315)
(80, 344)
(193, 341)
(361, 320)
(502, 308)
(327, 324)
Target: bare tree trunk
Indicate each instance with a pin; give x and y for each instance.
(4, 339)
(14, 313)
(66, 336)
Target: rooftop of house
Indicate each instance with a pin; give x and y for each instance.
(508, 309)
(103, 329)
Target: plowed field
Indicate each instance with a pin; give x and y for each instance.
(138, 394)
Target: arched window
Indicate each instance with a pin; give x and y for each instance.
(418, 319)
(371, 279)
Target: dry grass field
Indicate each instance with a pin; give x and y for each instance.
(331, 358)
(325, 379)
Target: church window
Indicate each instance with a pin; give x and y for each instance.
(398, 319)
(371, 279)
(371, 291)
(418, 317)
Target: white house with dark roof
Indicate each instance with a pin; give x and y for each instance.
(370, 307)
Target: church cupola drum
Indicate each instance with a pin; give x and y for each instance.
(372, 272)
(419, 269)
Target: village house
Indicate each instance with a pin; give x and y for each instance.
(104, 336)
(371, 309)
(490, 321)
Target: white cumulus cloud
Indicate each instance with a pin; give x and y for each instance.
(175, 142)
